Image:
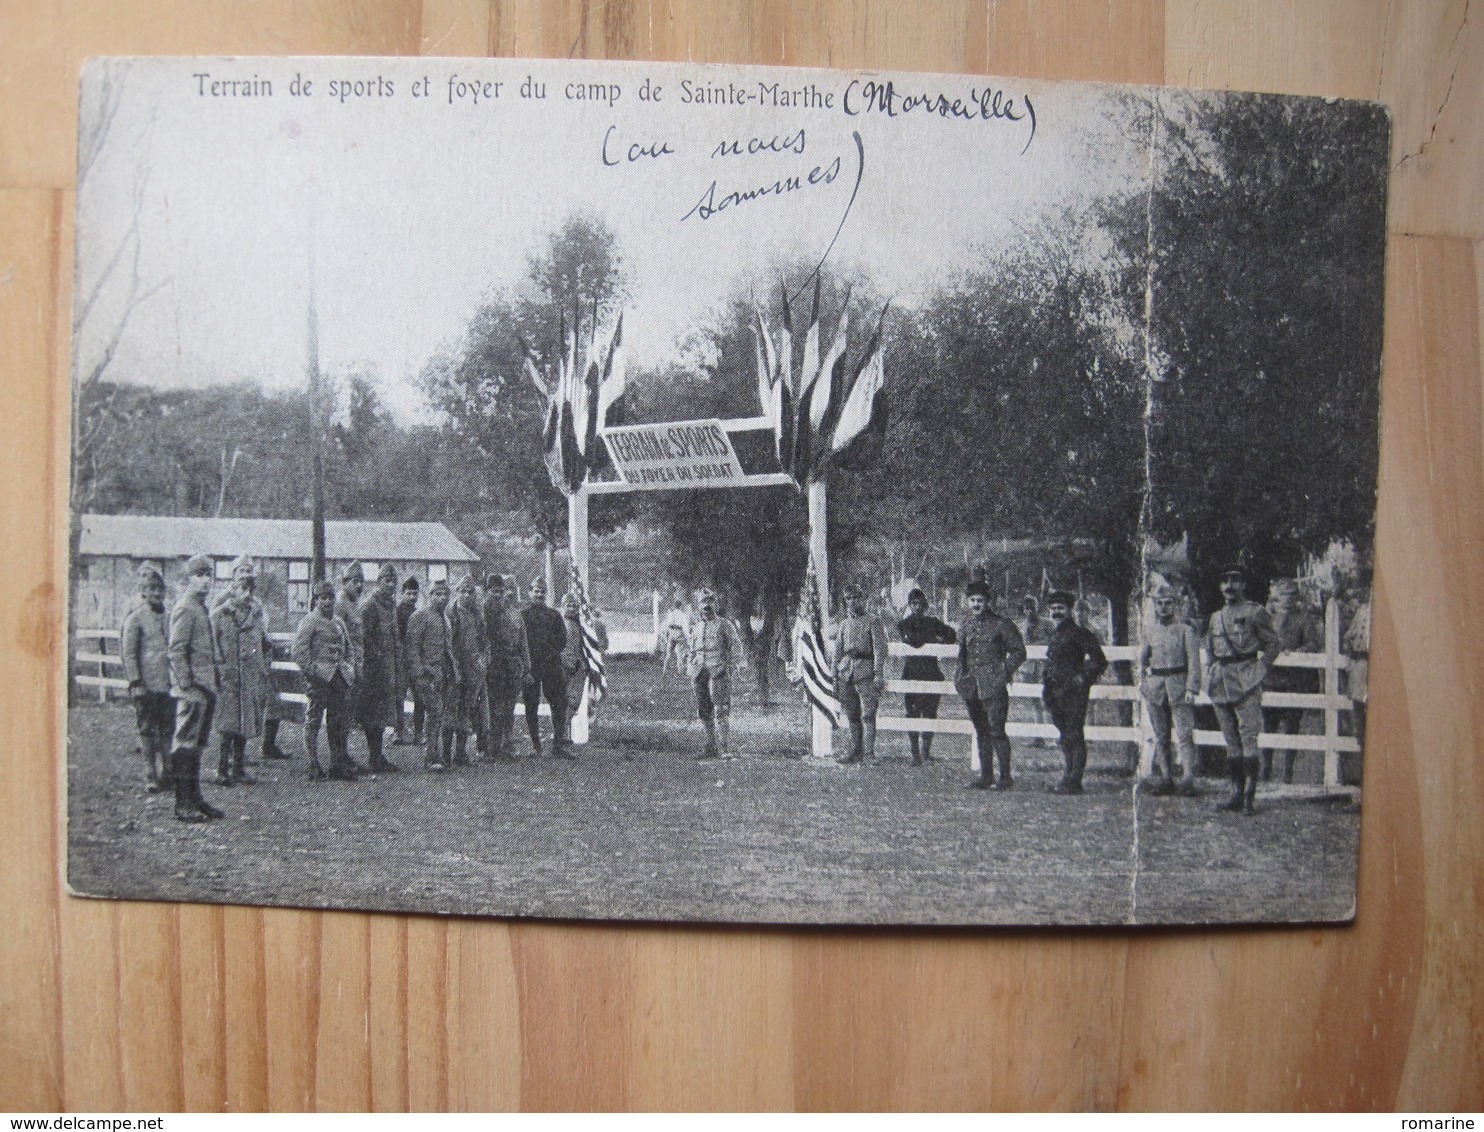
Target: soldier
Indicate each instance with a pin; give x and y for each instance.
(406, 606)
(1241, 646)
(1170, 680)
(146, 649)
(431, 668)
(510, 667)
(714, 651)
(860, 673)
(382, 681)
(1074, 661)
(989, 651)
(574, 662)
(465, 711)
(322, 651)
(546, 636)
(1298, 631)
(675, 629)
(917, 629)
(243, 650)
(348, 610)
(1357, 643)
(193, 684)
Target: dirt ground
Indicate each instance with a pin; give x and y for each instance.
(635, 828)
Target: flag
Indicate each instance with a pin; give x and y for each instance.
(773, 388)
(582, 396)
(811, 661)
(862, 422)
(592, 644)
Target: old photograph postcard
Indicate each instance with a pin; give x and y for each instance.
(678, 492)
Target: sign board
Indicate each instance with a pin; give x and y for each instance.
(676, 454)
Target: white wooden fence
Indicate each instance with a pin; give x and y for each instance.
(1331, 702)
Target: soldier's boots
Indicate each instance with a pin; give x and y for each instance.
(460, 748)
(224, 761)
(1250, 797)
(185, 802)
(1236, 769)
(159, 767)
(192, 768)
(724, 737)
(239, 761)
(868, 740)
(376, 759)
(857, 740)
(916, 750)
(1002, 756)
(311, 752)
(271, 750)
(927, 746)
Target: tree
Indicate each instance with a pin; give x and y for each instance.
(493, 413)
(1268, 237)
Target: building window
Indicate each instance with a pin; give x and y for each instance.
(298, 592)
(437, 572)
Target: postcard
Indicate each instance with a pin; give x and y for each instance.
(671, 492)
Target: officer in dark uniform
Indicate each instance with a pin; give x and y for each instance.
(1074, 661)
(546, 637)
(917, 629)
(990, 649)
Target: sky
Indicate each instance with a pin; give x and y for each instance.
(410, 190)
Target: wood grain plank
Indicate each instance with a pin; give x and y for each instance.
(31, 1002)
(291, 964)
(343, 1040)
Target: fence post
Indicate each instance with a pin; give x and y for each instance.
(1331, 688)
(655, 647)
(103, 667)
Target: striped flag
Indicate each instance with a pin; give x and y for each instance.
(592, 644)
(583, 395)
(811, 660)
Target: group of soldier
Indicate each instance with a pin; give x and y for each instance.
(205, 667)
(1242, 641)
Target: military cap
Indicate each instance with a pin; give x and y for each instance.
(853, 592)
(440, 584)
(147, 573)
(1061, 597)
(321, 589)
(538, 580)
(705, 594)
(1233, 571)
(242, 567)
(387, 571)
(916, 595)
(354, 570)
(466, 584)
(977, 588)
(410, 584)
(198, 564)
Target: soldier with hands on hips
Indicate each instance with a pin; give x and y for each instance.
(714, 652)
(1241, 645)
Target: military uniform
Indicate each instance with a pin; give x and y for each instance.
(990, 650)
(510, 667)
(244, 652)
(1169, 667)
(465, 713)
(406, 606)
(146, 651)
(546, 636)
(860, 674)
(430, 666)
(193, 685)
(322, 651)
(1241, 646)
(713, 650)
(379, 703)
(917, 630)
(1074, 661)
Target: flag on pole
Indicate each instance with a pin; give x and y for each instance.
(583, 395)
(811, 660)
(592, 643)
(862, 422)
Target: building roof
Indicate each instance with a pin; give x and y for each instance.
(161, 537)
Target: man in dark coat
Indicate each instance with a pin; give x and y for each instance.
(377, 706)
(193, 685)
(1074, 661)
(146, 651)
(546, 636)
(510, 666)
(240, 624)
(989, 652)
(917, 629)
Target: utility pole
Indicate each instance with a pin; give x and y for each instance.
(316, 440)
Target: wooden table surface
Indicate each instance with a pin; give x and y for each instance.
(140, 1007)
